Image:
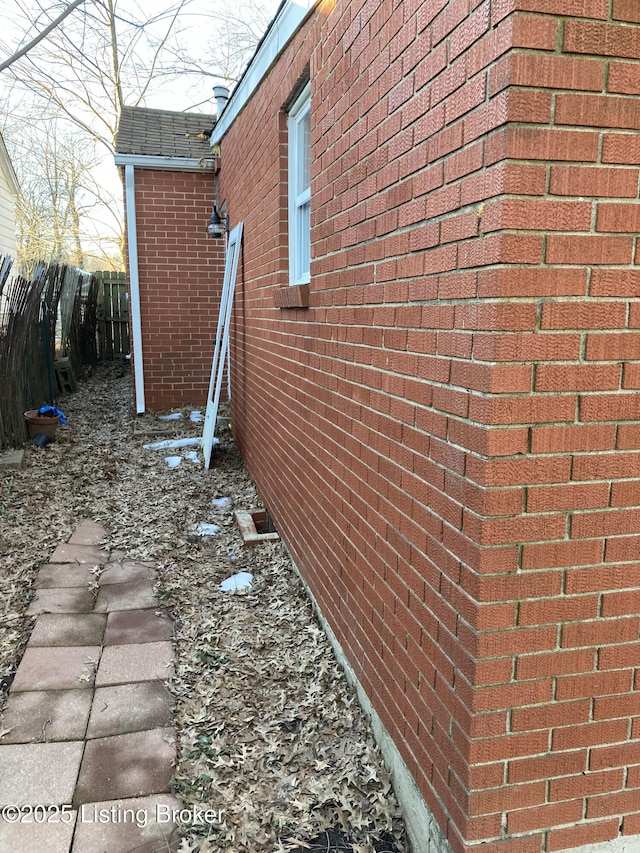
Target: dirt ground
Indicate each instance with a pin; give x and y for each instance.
(269, 731)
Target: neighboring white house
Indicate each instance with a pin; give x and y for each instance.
(9, 189)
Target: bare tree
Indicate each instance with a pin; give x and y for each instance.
(58, 197)
(240, 34)
(97, 60)
(238, 31)
(41, 35)
(105, 54)
(82, 74)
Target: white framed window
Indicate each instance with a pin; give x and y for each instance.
(299, 125)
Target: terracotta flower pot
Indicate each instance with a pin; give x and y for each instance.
(37, 424)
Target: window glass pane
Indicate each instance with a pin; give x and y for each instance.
(304, 239)
(305, 159)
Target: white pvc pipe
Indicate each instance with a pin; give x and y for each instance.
(134, 288)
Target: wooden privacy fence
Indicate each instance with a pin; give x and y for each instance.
(48, 317)
(113, 315)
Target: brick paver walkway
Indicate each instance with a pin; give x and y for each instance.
(86, 747)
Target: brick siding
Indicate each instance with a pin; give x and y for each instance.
(180, 269)
(447, 438)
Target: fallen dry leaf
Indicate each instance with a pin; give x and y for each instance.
(268, 729)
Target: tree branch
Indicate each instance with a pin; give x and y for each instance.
(24, 50)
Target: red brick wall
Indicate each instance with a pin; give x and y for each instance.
(180, 270)
(447, 437)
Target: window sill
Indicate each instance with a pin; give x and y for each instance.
(295, 296)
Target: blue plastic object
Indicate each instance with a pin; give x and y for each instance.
(41, 440)
(51, 412)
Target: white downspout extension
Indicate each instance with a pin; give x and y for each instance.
(134, 288)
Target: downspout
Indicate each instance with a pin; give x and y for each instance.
(134, 288)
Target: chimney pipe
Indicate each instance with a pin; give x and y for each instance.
(221, 94)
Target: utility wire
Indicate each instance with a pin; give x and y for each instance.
(23, 50)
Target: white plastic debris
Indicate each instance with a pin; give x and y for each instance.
(174, 443)
(221, 503)
(193, 456)
(175, 416)
(173, 461)
(205, 528)
(237, 582)
(196, 417)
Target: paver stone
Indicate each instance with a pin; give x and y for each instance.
(54, 836)
(135, 662)
(131, 765)
(88, 532)
(68, 629)
(61, 600)
(125, 571)
(38, 716)
(136, 626)
(129, 708)
(54, 575)
(39, 773)
(56, 668)
(69, 553)
(134, 595)
(141, 824)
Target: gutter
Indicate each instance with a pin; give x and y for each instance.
(134, 287)
(173, 164)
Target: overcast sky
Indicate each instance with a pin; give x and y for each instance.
(23, 19)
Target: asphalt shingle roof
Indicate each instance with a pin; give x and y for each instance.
(161, 133)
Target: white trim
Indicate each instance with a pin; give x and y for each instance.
(174, 164)
(7, 169)
(134, 287)
(299, 193)
(285, 24)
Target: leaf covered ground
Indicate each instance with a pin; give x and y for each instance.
(269, 731)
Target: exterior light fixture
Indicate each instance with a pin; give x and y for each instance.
(218, 226)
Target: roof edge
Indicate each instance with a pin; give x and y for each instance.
(287, 21)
